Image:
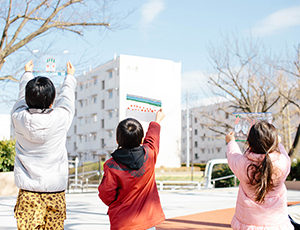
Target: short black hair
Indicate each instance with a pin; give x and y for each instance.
(39, 93)
(129, 133)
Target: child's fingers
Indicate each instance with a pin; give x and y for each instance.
(29, 66)
(70, 68)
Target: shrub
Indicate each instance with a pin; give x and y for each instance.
(221, 170)
(7, 155)
(295, 171)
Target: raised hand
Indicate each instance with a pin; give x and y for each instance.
(70, 68)
(29, 66)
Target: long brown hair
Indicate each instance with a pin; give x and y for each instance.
(262, 139)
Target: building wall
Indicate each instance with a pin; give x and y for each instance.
(205, 144)
(148, 77)
(5, 124)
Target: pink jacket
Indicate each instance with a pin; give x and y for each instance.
(272, 214)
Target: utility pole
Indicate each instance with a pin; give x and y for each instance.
(192, 153)
(187, 131)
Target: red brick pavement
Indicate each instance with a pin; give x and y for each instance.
(218, 219)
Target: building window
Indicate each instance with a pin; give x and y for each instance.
(196, 156)
(196, 144)
(218, 150)
(94, 117)
(202, 126)
(202, 150)
(81, 103)
(102, 104)
(85, 138)
(102, 143)
(80, 138)
(102, 123)
(74, 146)
(208, 150)
(110, 94)
(203, 138)
(110, 114)
(94, 136)
(226, 115)
(212, 150)
(80, 120)
(110, 133)
(196, 132)
(95, 99)
(81, 86)
(103, 85)
(95, 80)
(110, 74)
(195, 120)
(69, 140)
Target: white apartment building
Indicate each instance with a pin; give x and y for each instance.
(5, 124)
(101, 104)
(204, 142)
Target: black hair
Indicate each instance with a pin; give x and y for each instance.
(39, 93)
(262, 139)
(129, 133)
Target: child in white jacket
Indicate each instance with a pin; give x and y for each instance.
(41, 162)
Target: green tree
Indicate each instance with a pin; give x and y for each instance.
(7, 155)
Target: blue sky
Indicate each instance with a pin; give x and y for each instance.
(182, 31)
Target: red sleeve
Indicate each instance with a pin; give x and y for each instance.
(152, 137)
(108, 187)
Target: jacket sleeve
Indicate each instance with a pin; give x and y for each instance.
(66, 97)
(21, 103)
(235, 158)
(152, 137)
(108, 187)
(286, 165)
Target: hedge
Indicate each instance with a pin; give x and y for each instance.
(7, 155)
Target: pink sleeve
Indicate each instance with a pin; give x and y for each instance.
(236, 160)
(286, 162)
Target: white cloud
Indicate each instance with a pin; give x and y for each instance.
(278, 21)
(151, 9)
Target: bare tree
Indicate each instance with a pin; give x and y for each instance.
(289, 72)
(246, 76)
(26, 21)
(243, 76)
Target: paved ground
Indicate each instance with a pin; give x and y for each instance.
(87, 212)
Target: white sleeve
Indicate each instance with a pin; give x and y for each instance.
(26, 77)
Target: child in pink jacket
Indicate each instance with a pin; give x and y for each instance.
(262, 170)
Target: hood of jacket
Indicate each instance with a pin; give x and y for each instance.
(132, 158)
(35, 125)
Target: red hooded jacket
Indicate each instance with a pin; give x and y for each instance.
(131, 194)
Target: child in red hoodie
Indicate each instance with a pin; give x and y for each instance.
(128, 187)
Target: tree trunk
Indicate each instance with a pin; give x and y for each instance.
(296, 145)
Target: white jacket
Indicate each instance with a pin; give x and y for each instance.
(41, 162)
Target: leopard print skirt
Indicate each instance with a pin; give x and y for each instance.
(45, 211)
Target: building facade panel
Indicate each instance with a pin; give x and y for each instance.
(101, 104)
